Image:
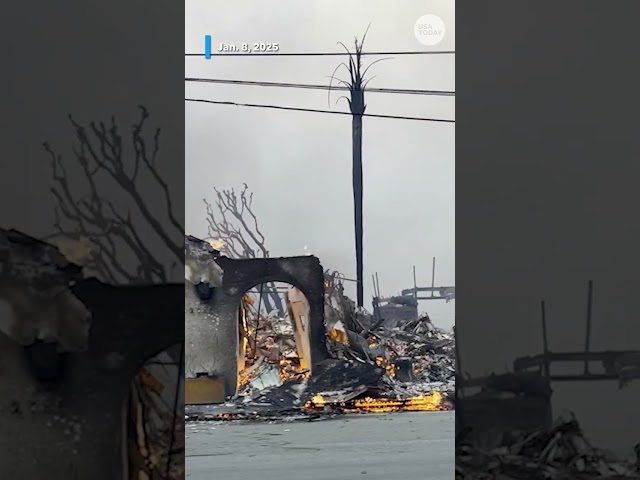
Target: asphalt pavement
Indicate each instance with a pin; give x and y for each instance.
(407, 446)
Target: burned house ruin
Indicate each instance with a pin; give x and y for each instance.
(251, 353)
(213, 314)
(508, 421)
(400, 309)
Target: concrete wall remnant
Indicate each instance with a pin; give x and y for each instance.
(211, 313)
(397, 315)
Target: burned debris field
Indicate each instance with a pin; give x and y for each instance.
(506, 426)
(311, 380)
(286, 337)
(362, 363)
(559, 450)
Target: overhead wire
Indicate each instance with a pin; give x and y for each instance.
(312, 110)
(316, 54)
(318, 87)
(400, 91)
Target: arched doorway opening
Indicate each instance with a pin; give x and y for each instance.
(215, 343)
(274, 344)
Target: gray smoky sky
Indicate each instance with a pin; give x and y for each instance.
(299, 164)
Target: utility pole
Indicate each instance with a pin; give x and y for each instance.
(357, 109)
(356, 86)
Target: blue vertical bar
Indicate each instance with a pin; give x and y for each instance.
(207, 47)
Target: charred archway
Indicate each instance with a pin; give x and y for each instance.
(305, 273)
(130, 325)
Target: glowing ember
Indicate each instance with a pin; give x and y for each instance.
(247, 299)
(227, 416)
(389, 367)
(291, 371)
(391, 370)
(424, 403)
(243, 379)
(339, 335)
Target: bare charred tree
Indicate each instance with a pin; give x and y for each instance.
(232, 221)
(356, 85)
(115, 236)
(105, 222)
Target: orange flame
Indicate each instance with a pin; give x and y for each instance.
(425, 403)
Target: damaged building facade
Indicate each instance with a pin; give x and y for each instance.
(215, 287)
(250, 352)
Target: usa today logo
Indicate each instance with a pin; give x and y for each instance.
(429, 30)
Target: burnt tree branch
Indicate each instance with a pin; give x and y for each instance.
(100, 156)
(235, 223)
(131, 324)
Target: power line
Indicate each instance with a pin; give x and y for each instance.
(314, 54)
(295, 109)
(322, 87)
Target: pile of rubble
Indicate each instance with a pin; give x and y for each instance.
(558, 452)
(418, 358)
(373, 368)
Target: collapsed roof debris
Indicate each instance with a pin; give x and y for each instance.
(374, 368)
(560, 451)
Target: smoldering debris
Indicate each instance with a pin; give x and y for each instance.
(559, 451)
(373, 368)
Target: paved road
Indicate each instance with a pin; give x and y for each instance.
(407, 446)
